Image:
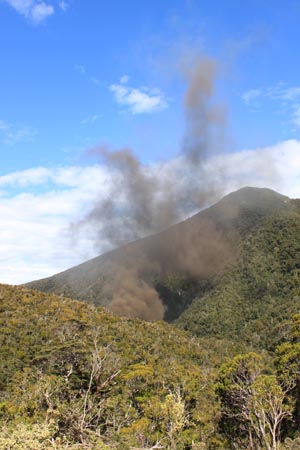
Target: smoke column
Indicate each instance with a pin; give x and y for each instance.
(146, 200)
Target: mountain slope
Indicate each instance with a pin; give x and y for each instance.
(259, 291)
(178, 263)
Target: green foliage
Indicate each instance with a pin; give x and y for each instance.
(85, 376)
(253, 403)
(259, 292)
(233, 388)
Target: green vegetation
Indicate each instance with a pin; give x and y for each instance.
(259, 291)
(259, 395)
(74, 376)
(224, 375)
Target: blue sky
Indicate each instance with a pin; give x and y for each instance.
(75, 74)
(57, 70)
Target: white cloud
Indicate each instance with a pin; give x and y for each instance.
(25, 178)
(138, 100)
(36, 208)
(35, 11)
(287, 96)
(276, 167)
(21, 6)
(40, 11)
(38, 205)
(283, 92)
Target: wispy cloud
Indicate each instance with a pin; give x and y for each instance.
(90, 119)
(282, 91)
(10, 134)
(138, 100)
(64, 5)
(80, 68)
(4, 125)
(35, 11)
(95, 80)
(287, 96)
(124, 79)
(249, 96)
(296, 116)
(24, 134)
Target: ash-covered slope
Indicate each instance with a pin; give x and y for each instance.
(158, 277)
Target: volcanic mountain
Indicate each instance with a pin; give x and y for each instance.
(179, 264)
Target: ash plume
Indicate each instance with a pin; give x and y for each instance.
(204, 119)
(135, 298)
(148, 199)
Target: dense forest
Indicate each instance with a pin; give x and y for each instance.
(74, 376)
(224, 374)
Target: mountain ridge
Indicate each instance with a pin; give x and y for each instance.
(195, 249)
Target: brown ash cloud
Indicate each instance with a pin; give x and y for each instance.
(148, 199)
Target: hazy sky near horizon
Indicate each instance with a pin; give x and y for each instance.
(75, 74)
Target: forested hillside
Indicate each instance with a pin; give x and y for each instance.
(259, 291)
(74, 376)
